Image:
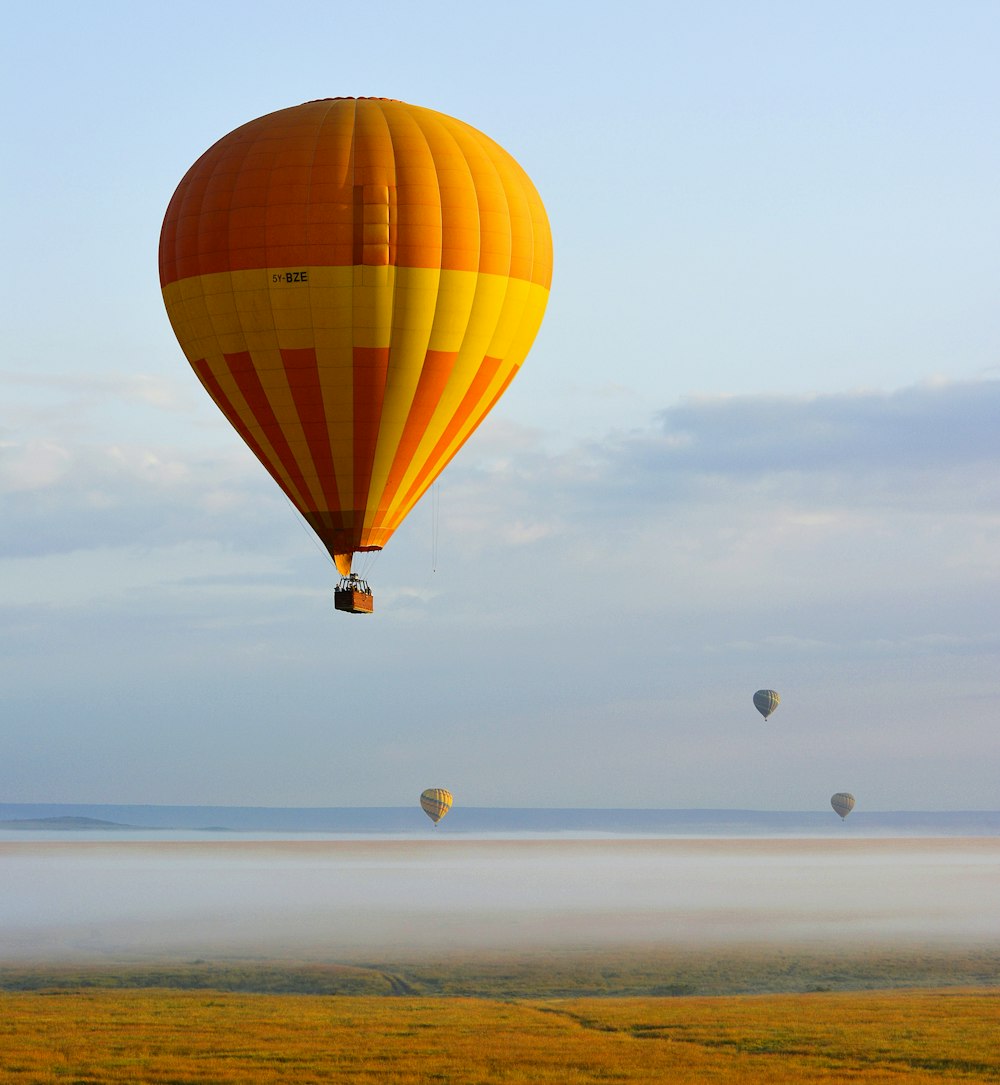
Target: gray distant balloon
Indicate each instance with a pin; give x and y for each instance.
(766, 701)
(843, 803)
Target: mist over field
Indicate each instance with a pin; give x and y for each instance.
(273, 899)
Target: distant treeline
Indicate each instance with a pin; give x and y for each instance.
(476, 820)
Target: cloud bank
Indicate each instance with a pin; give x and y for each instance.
(545, 619)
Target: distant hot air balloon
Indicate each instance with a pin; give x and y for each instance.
(355, 281)
(435, 803)
(843, 803)
(766, 701)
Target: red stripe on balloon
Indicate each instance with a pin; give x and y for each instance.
(302, 371)
(225, 404)
(242, 370)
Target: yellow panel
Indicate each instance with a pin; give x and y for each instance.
(335, 343)
(484, 307)
(330, 278)
(286, 302)
(455, 303)
(261, 342)
(406, 359)
(188, 317)
(531, 319)
(269, 366)
(257, 279)
(231, 344)
(416, 297)
(337, 384)
(377, 276)
(373, 306)
(461, 379)
(515, 299)
(250, 301)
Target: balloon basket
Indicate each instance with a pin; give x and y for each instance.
(353, 596)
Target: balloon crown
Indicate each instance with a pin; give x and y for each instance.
(353, 98)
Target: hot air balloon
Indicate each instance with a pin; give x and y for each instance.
(355, 282)
(766, 701)
(435, 803)
(843, 803)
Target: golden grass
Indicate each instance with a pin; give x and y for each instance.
(172, 1037)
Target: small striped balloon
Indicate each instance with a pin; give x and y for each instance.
(843, 803)
(766, 701)
(435, 803)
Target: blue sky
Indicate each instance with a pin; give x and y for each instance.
(755, 444)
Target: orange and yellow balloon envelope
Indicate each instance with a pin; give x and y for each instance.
(435, 803)
(355, 281)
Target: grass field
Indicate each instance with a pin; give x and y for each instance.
(190, 1037)
(748, 1015)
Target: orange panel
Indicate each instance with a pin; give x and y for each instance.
(457, 200)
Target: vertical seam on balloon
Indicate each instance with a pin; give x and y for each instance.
(356, 503)
(248, 145)
(255, 321)
(499, 174)
(389, 511)
(392, 482)
(519, 191)
(307, 395)
(373, 493)
(370, 524)
(268, 256)
(375, 369)
(320, 450)
(366, 453)
(440, 456)
(351, 501)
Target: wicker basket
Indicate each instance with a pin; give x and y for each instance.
(354, 602)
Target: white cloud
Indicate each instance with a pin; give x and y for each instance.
(636, 583)
(71, 497)
(34, 465)
(788, 493)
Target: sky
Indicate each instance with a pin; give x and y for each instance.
(754, 445)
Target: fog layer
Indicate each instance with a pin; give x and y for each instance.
(317, 898)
